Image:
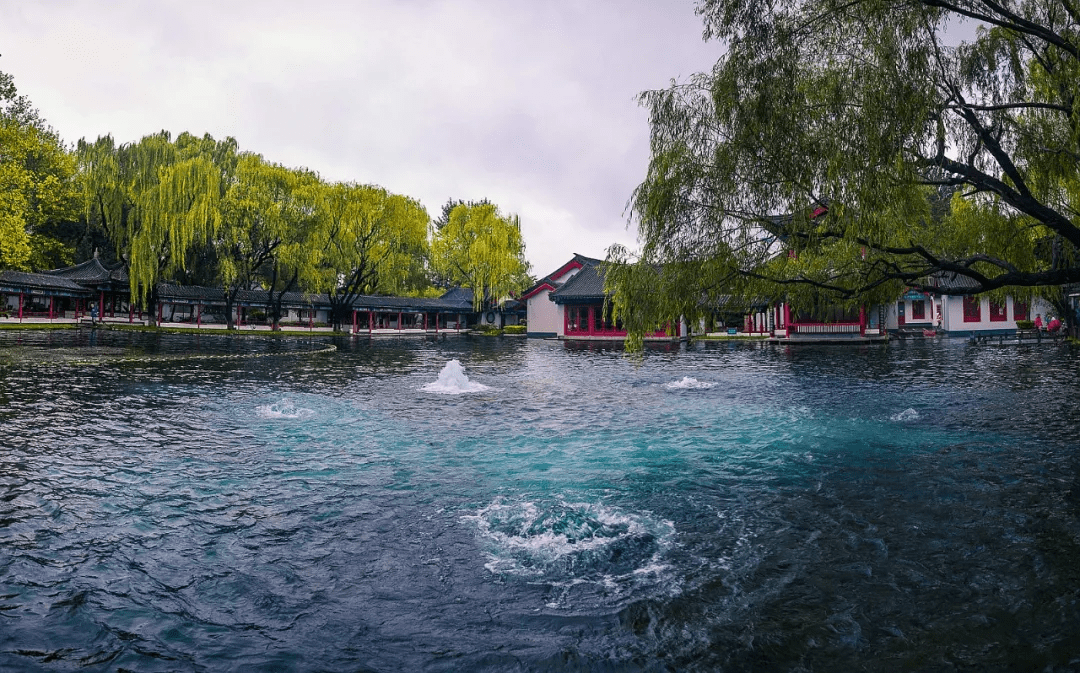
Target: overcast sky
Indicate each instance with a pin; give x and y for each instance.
(529, 104)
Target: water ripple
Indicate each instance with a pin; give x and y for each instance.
(725, 507)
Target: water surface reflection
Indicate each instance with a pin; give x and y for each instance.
(721, 507)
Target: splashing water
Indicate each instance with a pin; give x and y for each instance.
(571, 541)
(689, 383)
(452, 381)
(559, 523)
(286, 408)
(905, 416)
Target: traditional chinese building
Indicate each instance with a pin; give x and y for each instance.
(543, 317)
(583, 309)
(963, 315)
(70, 294)
(40, 296)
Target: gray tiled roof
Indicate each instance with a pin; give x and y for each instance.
(16, 281)
(376, 303)
(459, 294)
(950, 281)
(93, 272)
(585, 285)
(215, 295)
(580, 259)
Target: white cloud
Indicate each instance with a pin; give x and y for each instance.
(531, 105)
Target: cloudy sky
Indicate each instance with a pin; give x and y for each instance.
(529, 104)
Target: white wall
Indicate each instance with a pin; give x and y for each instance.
(953, 315)
(544, 316)
(892, 317)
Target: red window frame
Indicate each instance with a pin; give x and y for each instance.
(1020, 310)
(972, 309)
(998, 312)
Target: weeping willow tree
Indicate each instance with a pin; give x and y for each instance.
(368, 241)
(264, 237)
(482, 250)
(157, 199)
(852, 149)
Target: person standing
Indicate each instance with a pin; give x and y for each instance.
(1038, 321)
(93, 314)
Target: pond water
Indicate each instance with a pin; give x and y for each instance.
(536, 506)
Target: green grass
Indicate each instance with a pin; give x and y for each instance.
(169, 330)
(37, 325)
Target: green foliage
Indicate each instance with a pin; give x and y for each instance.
(268, 223)
(197, 210)
(927, 158)
(428, 292)
(47, 252)
(481, 249)
(444, 217)
(156, 198)
(1025, 324)
(37, 186)
(514, 329)
(369, 241)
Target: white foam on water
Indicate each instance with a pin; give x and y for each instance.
(452, 381)
(689, 383)
(905, 416)
(567, 544)
(653, 569)
(285, 409)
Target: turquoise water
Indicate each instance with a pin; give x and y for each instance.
(720, 507)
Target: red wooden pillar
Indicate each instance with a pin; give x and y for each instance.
(131, 313)
(370, 321)
(198, 314)
(436, 323)
(399, 321)
(311, 319)
(101, 305)
(862, 319)
(52, 302)
(354, 321)
(20, 306)
(787, 315)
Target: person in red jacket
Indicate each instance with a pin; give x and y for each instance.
(1038, 321)
(1054, 325)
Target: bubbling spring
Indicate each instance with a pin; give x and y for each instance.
(706, 508)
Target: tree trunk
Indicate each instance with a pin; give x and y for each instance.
(230, 300)
(273, 305)
(338, 310)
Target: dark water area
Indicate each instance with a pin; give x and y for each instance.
(718, 507)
